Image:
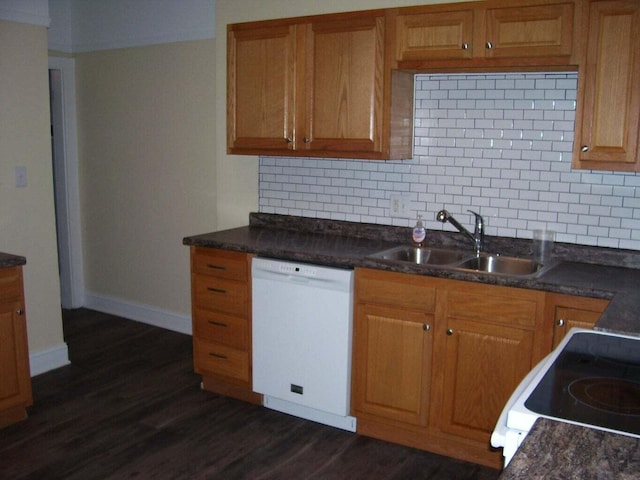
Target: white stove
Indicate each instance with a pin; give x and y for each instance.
(592, 379)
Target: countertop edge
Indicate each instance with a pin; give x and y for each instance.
(9, 260)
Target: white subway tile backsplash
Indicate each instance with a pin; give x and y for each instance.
(497, 143)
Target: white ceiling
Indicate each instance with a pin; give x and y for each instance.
(89, 25)
(35, 12)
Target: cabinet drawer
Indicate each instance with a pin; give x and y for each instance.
(220, 360)
(221, 295)
(10, 284)
(220, 328)
(402, 290)
(220, 263)
(508, 306)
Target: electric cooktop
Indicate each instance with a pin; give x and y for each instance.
(595, 380)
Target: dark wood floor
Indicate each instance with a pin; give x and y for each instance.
(130, 406)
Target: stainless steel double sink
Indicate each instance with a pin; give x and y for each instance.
(462, 260)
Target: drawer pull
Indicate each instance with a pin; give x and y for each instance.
(216, 267)
(560, 322)
(218, 324)
(216, 290)
(217, 355)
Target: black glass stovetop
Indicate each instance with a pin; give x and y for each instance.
(595, 380)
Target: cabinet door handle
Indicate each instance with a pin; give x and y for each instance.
(449, 331)
(465, 46)
(218, 355)
(560, 322)
(288, 139)
(19, 311)
(426, 327)
(218, 324)
(216, 267)
(489, 45)
(216, 290)
(584, 148)
(306, 139)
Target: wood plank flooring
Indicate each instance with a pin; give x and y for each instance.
(130, 406)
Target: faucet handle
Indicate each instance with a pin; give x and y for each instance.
(479, 219)
(479, 222)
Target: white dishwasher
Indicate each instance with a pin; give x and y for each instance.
(302, 332)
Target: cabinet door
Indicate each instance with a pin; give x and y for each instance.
(260, 88)
(345, 77)
(535, 31)
(569, 311)
(484, 363)
(489, 341)
(611, 92)
(15, 381)
(438, 35)
(392, 363)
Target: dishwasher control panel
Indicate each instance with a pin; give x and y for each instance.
(286, 268)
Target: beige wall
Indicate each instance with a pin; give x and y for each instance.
(237, 176)
(27, 219)
(146, 154)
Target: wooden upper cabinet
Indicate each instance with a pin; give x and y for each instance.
(345, 85)
(438, 35)
(319, 86)
(609, 104)
(535, 31)
(487, 34)
(261, 87)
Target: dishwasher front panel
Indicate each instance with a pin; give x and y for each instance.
(302, 333)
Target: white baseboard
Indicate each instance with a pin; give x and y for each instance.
(139, 312)
(49, 359)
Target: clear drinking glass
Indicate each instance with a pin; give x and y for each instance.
(543, 244)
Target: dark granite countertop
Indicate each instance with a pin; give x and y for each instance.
(347, 245)
(552, 449)
(8, 260)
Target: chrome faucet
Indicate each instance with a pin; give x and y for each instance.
(477, 237)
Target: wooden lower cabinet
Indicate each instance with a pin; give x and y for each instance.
(15, 378)
(569, 311)
(221, 312)
(436, 360)
(488, 339)
(393, 348)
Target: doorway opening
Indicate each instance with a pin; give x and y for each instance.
(66, 183)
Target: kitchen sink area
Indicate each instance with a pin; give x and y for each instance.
(460, 260)
(421, 256)
(459, 287)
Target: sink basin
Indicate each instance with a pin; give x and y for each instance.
(463, 260)
(422, 256)
(503, 265)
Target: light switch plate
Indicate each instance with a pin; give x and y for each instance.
(399, 205)
(21, 176)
